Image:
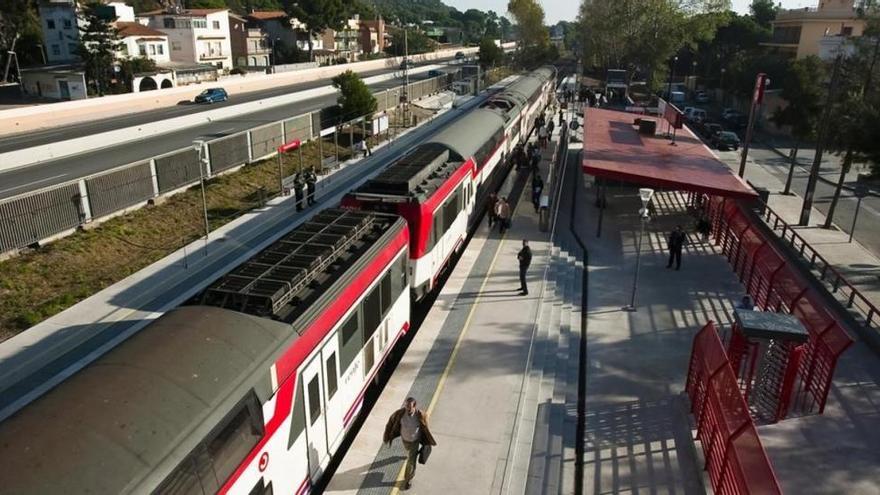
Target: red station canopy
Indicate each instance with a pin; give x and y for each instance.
(613, 149)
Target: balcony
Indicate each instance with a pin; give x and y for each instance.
(255, 33)
(212, 56)
(814, 14)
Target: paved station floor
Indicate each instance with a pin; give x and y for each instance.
(473, 364)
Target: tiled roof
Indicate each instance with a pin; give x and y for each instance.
(127, 29)
(265, 15)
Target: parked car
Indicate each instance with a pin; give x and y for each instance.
(698, 115)
(729, 113)
(434, 73)
(726, 140)
(687, 112)
(459, 55)
(212, 95)
(701, 97)
(711, 129)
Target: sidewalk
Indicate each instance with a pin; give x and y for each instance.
(37, 359)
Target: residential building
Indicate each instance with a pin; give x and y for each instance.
(198, 36)
(284, 31)
(143, 41)
(800, 32)
(250, 45)
(372, 36)
(345, 43)
(60, 26)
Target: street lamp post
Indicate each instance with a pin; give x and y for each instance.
(199, 146)
(645, 195)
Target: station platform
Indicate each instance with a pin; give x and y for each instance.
(499, 374)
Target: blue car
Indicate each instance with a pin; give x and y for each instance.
(212, 95)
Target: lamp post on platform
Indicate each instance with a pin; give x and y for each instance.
(645, 195)
(199, 146)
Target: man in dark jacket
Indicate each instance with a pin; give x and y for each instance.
(311, 180)
(411, 425)
(299, 191)
(525, 259)
(676, 242)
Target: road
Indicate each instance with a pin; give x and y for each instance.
(25, 179)
(35, 138)
(867, 231)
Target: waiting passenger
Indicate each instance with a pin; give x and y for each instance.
(502, 212)
(525, 259)
(490, 209)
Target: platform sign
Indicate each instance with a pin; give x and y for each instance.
(673, 115)
(380, 124)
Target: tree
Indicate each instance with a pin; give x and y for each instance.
(643, 35)
(803, 91)
(355, 98)
(19, 19)
(763, 11)
(99, 42)
(490, 53)
(318, 15)
(131, 67)
(412, 41)
(529, 16)
(207, 4)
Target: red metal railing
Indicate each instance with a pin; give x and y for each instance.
(735, 459)
(864, 311)
(776, 286)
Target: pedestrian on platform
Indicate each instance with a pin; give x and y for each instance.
(675, 243)
(537, 189)
(746, 303)
(536, 162)
(704, 227)
(311, 182)
(550, 127)
(502, 213)
(490, 209)
(411, 425)
(561, 119)
(525, 259)
(299, 191)
(363, 147)
(542, 137)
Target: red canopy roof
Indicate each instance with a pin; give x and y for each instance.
(613, 149)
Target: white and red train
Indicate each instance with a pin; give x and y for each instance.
(251, 388)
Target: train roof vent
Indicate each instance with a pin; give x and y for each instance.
(413, 172)
(275, 278)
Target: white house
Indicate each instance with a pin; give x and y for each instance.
(60, 30)
(143, 41)
(195, 35)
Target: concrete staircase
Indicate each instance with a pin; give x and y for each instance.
(554, 375)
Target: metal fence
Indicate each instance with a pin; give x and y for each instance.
(735, 459)
(33, 217)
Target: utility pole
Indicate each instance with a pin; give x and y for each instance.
(761, 82)
(405, 76)
(820, 145)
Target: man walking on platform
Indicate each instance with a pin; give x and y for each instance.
(299, 190)
(502, 215)
(411, 425)
(490, 209)
(311, 180)
(525, 259)
(676, 242)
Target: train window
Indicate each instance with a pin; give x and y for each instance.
(184, 480)
(314, 399)
(236, 437)
(350, 341)
(438, 225)
(297, 416)
(331, 376)
(368, 357)
(372, 307)
(398, 279)
(387, 298)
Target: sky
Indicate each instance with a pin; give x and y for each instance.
(566, 10)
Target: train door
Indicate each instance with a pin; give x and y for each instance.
(337, 399)
(316, 422)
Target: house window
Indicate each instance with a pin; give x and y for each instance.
(846, 31)
(175, 46)
(50, 23)
(216, 24)
(56, 50)
(142, 49)
(160, 49)
(152, 49)
(68, 24)
(199, 23)
(168, 22)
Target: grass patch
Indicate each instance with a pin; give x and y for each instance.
(43, 282)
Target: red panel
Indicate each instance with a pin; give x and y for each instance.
(613, 149)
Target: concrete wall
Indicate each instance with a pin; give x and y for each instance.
(48, 84)
(53, 115)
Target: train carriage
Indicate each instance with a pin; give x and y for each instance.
(250, 389)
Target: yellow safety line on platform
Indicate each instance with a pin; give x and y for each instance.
(398, 483)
